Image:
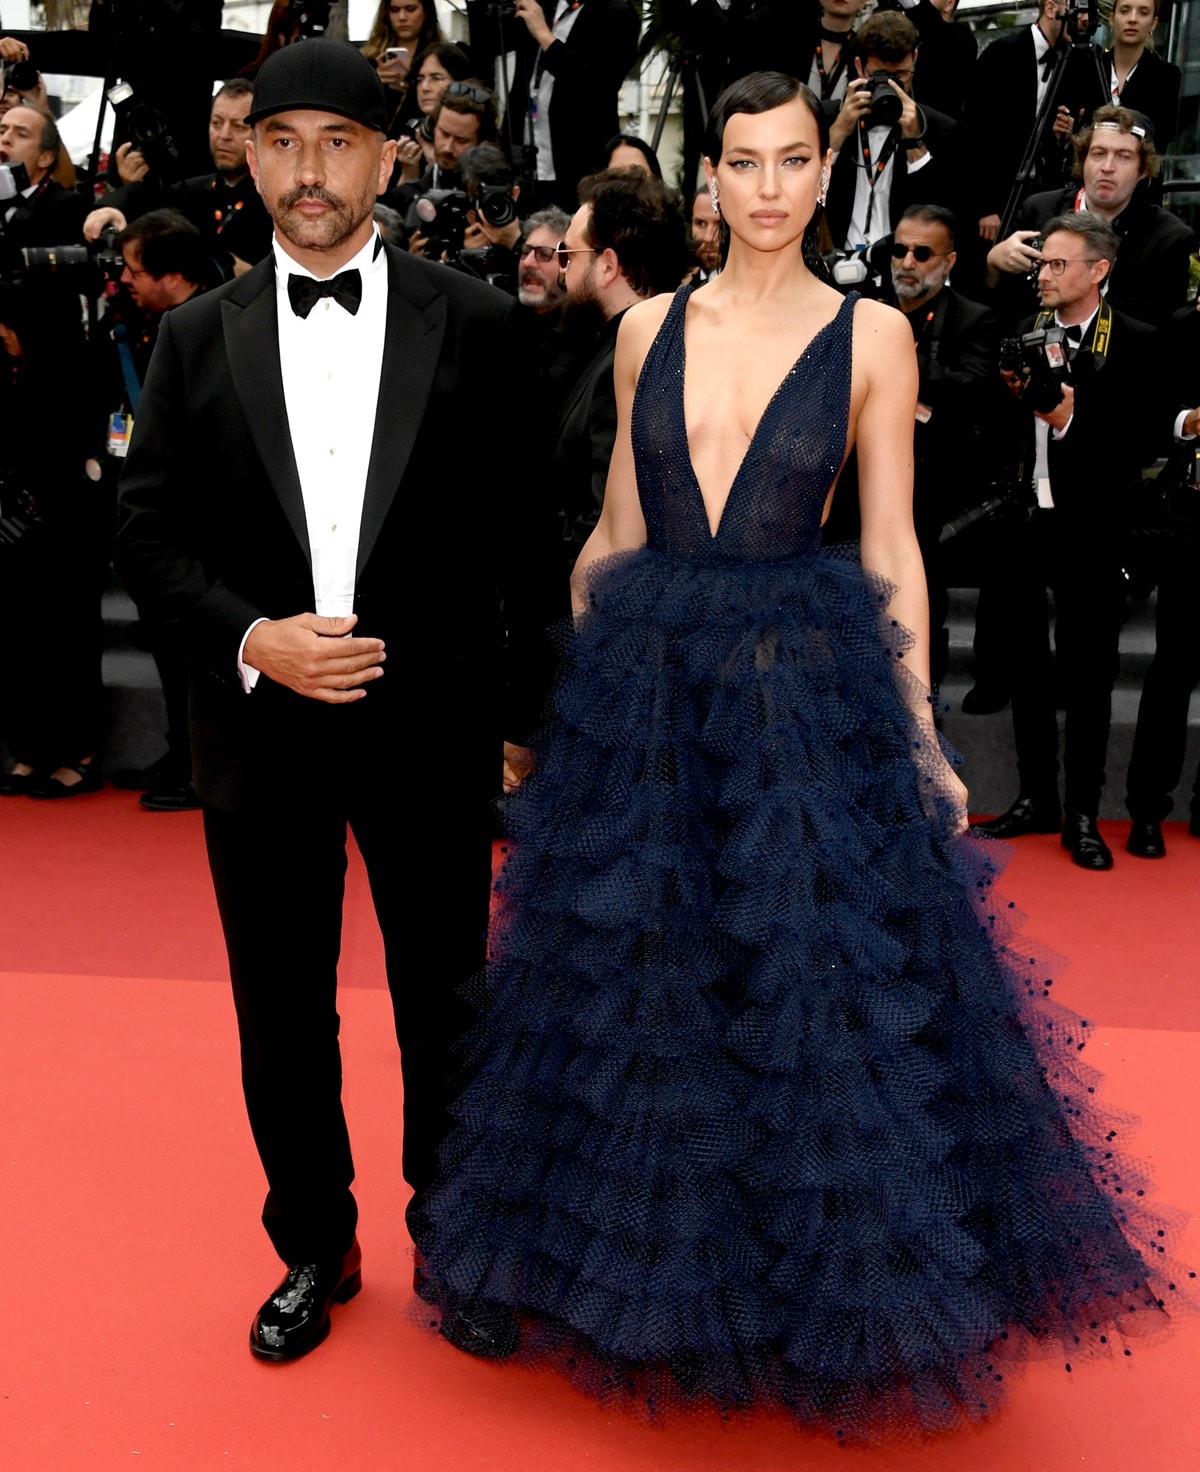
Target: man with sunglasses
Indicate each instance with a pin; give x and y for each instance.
(627, 241)
(1081, 460)
(956, 347)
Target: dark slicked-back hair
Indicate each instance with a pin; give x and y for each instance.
(638, 218)
(756, 93)
(931, 214)
(1098, 236)
(168, 242)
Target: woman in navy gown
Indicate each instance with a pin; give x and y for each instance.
(769, 1106)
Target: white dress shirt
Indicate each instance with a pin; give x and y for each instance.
(331, 362)
(1040, 47)
(565, 17)
(860, 232)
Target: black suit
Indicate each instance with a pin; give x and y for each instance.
(956, 356)
(588, 69)
(213, 536)
(999, 117)
(936, 182)
(587, 431)
(1077, 549)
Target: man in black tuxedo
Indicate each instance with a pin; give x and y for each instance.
(1083, 459)
(1006, 94)
(880, 168)
(627, 241)
(282, 497)
(956, 356)
(1115, 161)
(571, 58)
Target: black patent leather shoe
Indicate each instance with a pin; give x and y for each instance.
(488, 1331)
(1025, 816)
(1081, 838)
(984, 700)
(1146, 840)
(295, 1318)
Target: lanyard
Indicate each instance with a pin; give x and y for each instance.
(829, 81)
(889, 147)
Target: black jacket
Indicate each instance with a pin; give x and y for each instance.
(936, 182)
(212, 532)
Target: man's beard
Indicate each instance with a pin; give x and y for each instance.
(917, 290)
(326, 231)
(546, 299)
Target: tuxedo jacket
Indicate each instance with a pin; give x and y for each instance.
(1115, 431)
(212, 532)
(935, 183)
(999, 117)
(588, 69)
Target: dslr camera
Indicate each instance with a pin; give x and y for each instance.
(1042, 360)
(148, 133)
(886, 107)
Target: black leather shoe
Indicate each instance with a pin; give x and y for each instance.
(169, 797)
(1081, 838)
(488, 1331)
(295, 1318)
(1025, 816)
(91, 779)
(1146, 840)
(984, 700)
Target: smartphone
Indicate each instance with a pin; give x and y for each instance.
(394, 53)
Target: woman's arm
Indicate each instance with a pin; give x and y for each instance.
(621, 526)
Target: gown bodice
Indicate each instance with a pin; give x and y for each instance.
(777, 498)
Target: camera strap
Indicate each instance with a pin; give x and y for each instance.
(1101, 328)
(830, 79)
(874, 170)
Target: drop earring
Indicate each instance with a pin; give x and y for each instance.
(824, 188)
(712, 194)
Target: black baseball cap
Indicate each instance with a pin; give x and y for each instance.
(320, 75)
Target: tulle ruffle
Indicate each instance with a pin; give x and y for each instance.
(771, 1104)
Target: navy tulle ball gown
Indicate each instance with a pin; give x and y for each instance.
(770, 1106)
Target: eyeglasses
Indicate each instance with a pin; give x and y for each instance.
(921, 253)
(564, 253)
(1056, 265)
(465, 89)
(544, 253)
(904, 75)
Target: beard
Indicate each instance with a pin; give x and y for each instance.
(327, 231)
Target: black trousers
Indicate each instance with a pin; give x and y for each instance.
(1160, 740)
(278, 869)
(1089, 602)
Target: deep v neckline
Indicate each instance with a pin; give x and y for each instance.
(762, 418)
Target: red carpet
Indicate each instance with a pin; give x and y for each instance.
(129, 1191)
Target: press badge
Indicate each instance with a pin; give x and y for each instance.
(120, 427)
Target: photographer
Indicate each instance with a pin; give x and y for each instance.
(55, 529)
(955, 426)
(1160, 738)
(1006, 96)
(1115, 160)
(1088, 400)
(433, 69)
(166, 262)
(224, 205)
(44, 213)
(492, 236)
(889, 153)
(571, 58)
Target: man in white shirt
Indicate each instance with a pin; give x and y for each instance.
(280, 504)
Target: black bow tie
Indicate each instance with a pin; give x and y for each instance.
(1074, 335)
(304, 292)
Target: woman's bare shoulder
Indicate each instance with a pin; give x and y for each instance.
(880, 329)
(639, 327)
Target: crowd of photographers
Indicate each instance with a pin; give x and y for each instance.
(1030, 172)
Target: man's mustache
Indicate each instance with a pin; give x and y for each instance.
(310, 191)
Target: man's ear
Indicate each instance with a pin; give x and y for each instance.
(252, 158)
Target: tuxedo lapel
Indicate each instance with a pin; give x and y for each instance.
(416, 327)
(251, 327)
